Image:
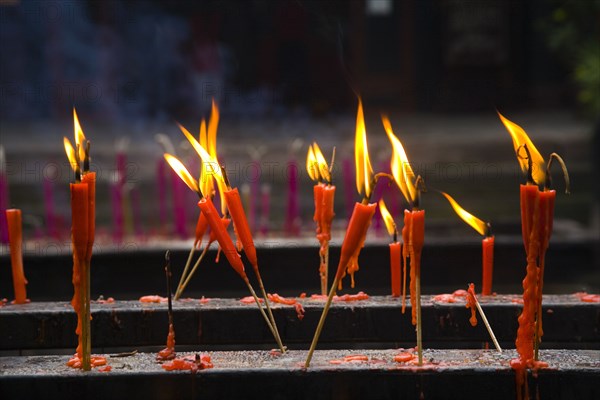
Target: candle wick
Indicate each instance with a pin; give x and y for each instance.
(488, 230)
(548, 182)
(395, 234)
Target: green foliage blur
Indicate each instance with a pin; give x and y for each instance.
(573, 32)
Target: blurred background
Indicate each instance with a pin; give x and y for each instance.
(284, 74)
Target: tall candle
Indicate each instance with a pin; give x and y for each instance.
(15, 235)
(242, 228)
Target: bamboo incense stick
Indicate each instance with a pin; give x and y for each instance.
(180, 290)
(487, 325)
(262, 311)
(313, 345)
(185, 271)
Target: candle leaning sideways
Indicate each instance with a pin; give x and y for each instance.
(15, 237)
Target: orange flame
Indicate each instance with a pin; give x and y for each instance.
(70, 154)
(520, 139)
(400, 166)
(211, 166)
(79, 136)
(469, 218)
(387, 218)
(364, 171)
(312, 166)
(182, 171)
(316, 165)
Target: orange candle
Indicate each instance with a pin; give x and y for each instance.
(201, 227)
(488, 265)
(15, 237)
(355, 234)
(529, 195)
(318, 198)
(223, 238)
(327, 212)
(240, 223)
(79, 238)
(395, 250)
(89, 178)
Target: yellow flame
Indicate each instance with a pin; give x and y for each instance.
(210, 166)
(469, 218)
(520, 138)
(387, 218)
(321, 163)
(364, 171)
(213, 124)
(206, 182)
(70, 153)
(79, 136)
(182, 171)
(400, 166)
(312, 167)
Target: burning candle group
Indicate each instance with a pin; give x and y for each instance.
(537, 208)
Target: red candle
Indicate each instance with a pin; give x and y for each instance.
(355, 235)
(240, 223)
(395, 250)
(201, 227)
(89, 179)
(223, 238)
(327, 212)
(15, 238)
(529, 195)
(318, 198)
(79, 233)
(488, 265)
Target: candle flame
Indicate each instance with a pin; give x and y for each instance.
(211, 166)
(206, 182)
(70, 154)
(316, 165)
(469, 218)
(79, 136)
(520, 139)
(312, 166)
(364, 171)
(400, 166)
(182, 171)
(387, 218)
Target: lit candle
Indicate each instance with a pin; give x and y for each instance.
(413, 232)
(487, 243)
(83, 193)
(15, 236)
(536, 224)
(215, 223)
(395, 249)
(324, 195)
(3, 197)
(358, 225)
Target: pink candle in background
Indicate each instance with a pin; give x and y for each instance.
(117, 212)
(161, 186)
(179, 191)
(254, 193)
(377, 195)
(292, 218)
(4, 199)
(265, 201)
(349, 183)
(51, 228)
(136, 211)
